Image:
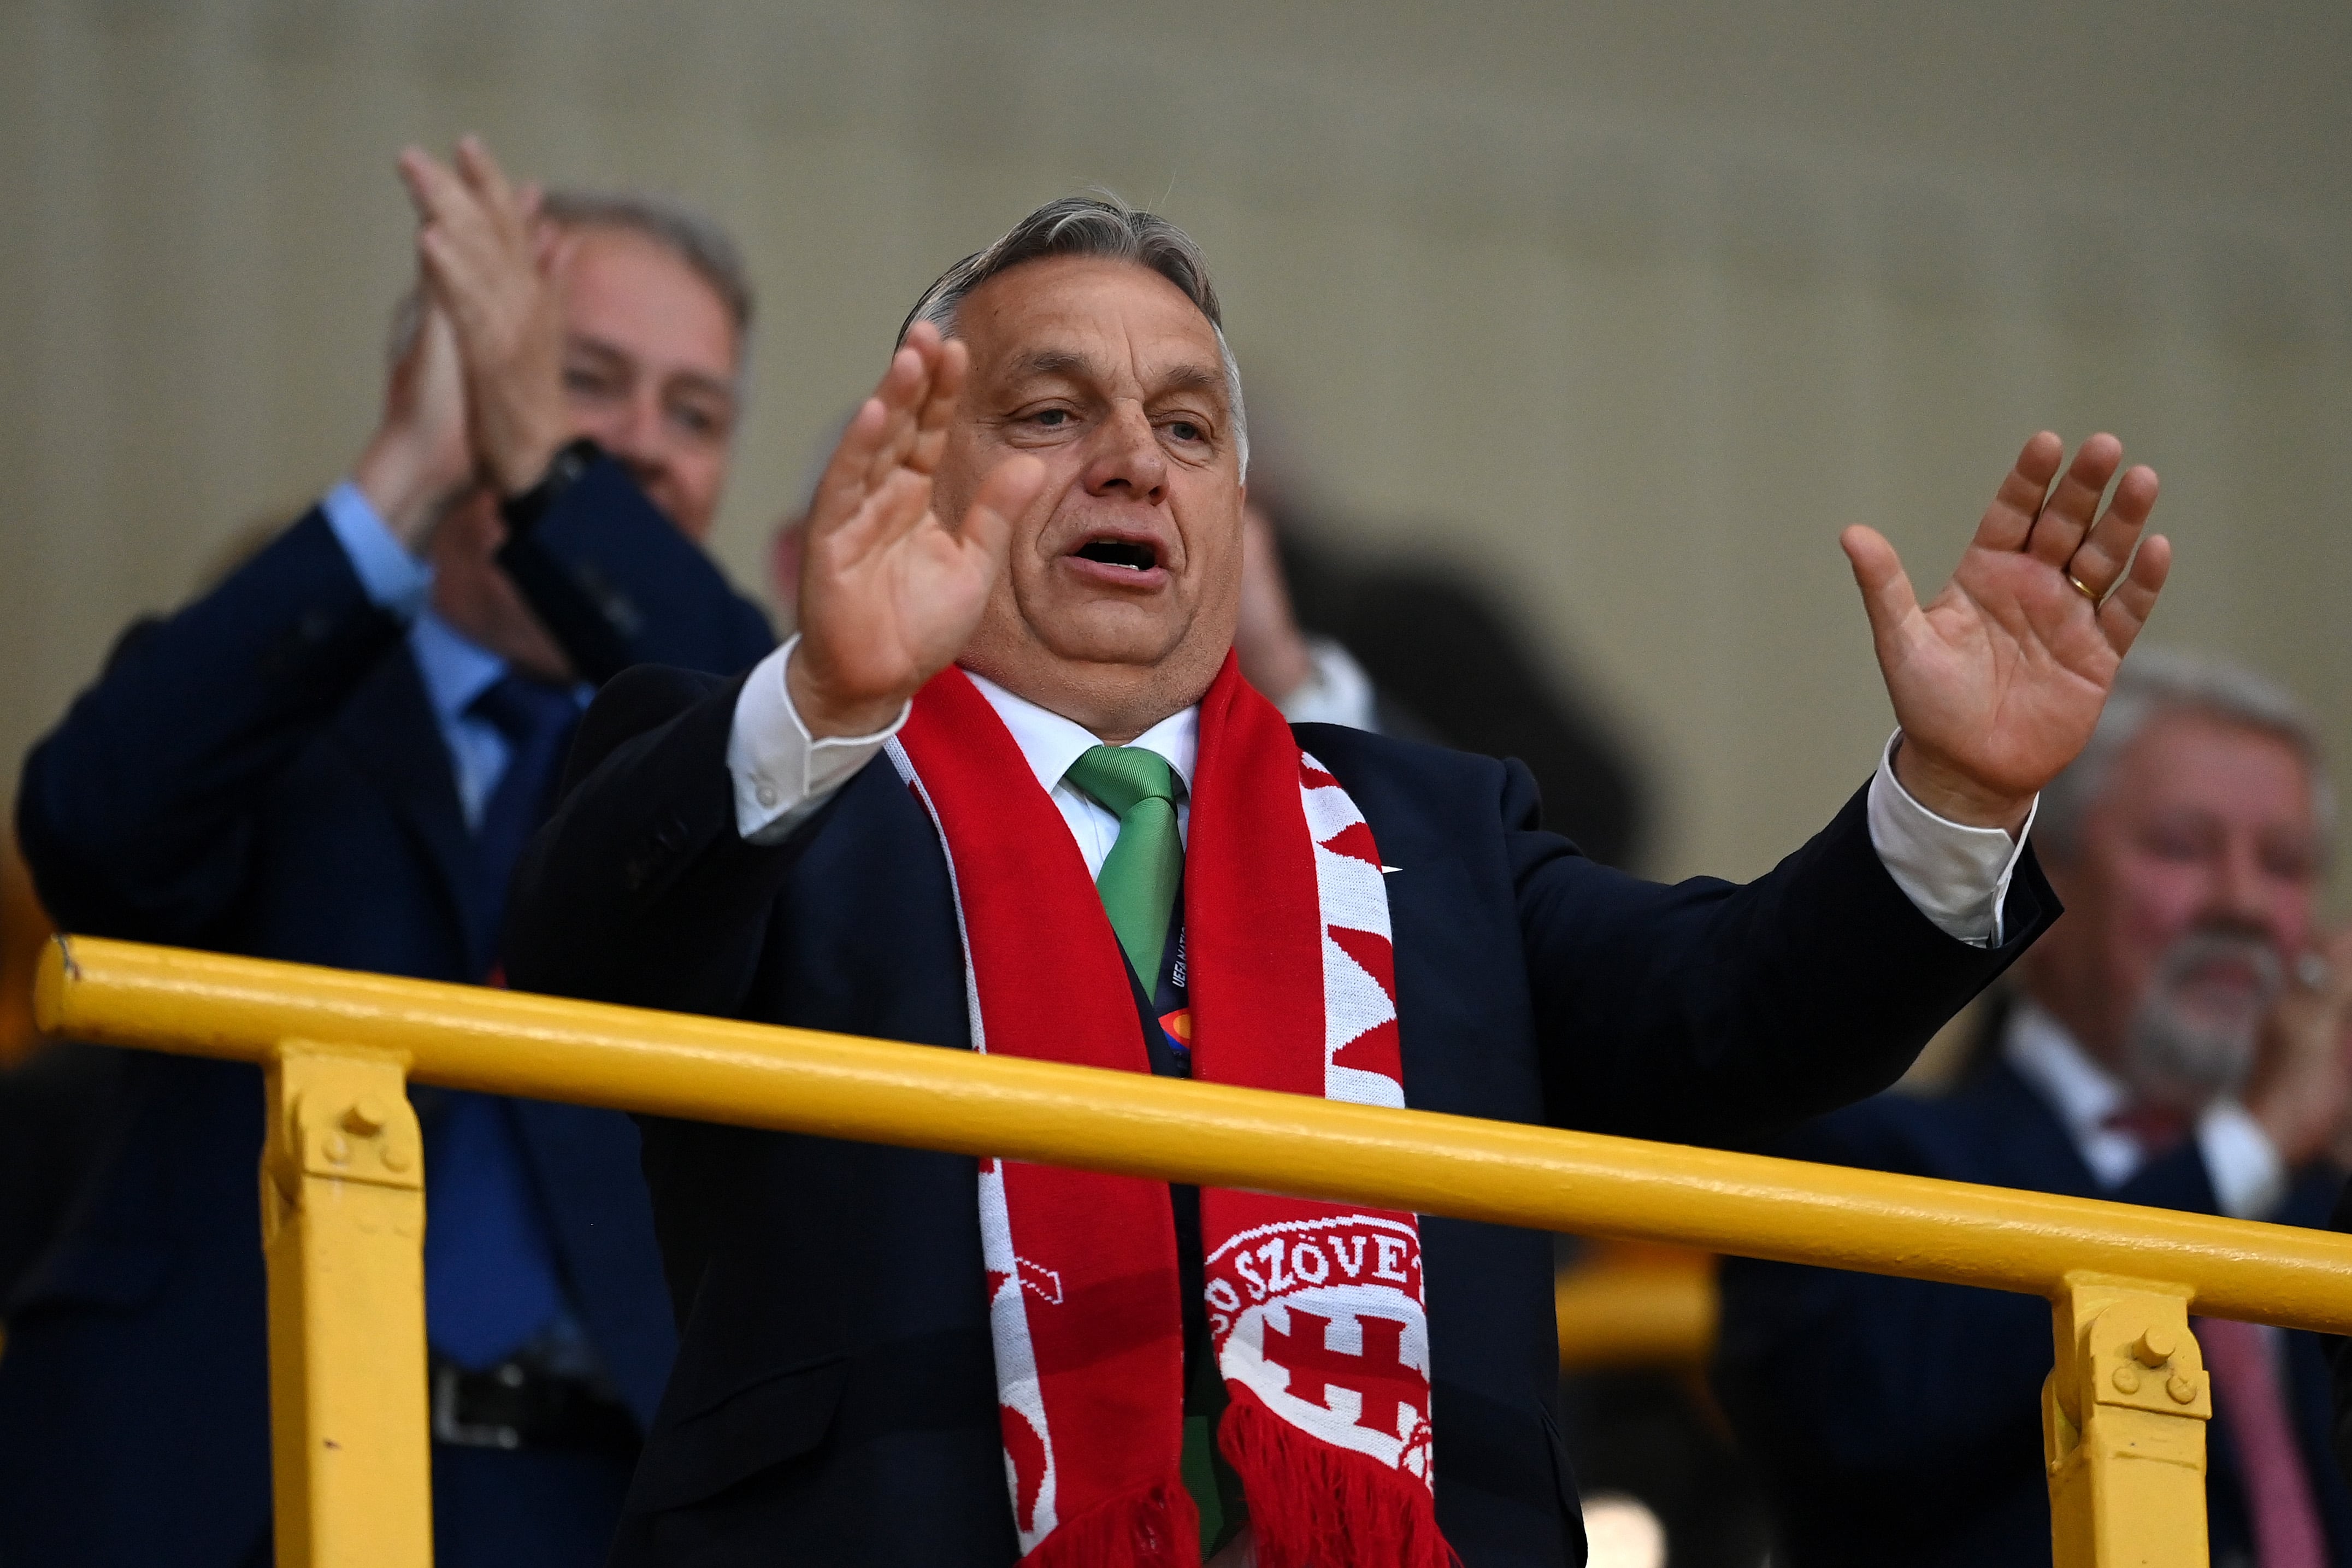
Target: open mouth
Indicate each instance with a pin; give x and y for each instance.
(1126, 552)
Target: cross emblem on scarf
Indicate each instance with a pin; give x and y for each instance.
(1379, 1377)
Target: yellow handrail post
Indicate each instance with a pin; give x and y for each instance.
(2123, 1429)
(342, 1229)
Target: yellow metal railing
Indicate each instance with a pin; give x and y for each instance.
(343, 1194)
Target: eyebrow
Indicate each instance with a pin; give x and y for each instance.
(1069, 362)
(702, 380)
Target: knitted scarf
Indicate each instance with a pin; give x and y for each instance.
(1315, 1309)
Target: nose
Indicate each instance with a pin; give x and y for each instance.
(1126, 459)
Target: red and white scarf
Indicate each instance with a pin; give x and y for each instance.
(1316, 1309)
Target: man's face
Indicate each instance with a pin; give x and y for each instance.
(1118, 603)
(2187, 900)
(650, 360)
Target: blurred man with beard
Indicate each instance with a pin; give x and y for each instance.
(2180, 1041)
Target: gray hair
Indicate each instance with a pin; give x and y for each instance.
(1104, 226)
(2156, 681)
(694, 238)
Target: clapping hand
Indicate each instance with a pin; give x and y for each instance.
(889, 594)
(489, 261)
(2301, 1085)
(1998, 679)
(419, 462)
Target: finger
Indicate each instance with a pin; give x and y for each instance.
(2127, 608)
(892, 510)
(551, 248)
(432, 187)
(939, 408)
(501, 199)
(1886, 595)
(2107, 549)
(1007, 492)
(445, 200)
(482, 172)
(863, 458)
(903, 392)
(843, 486)
(454, 270)
(2018, 502)
(2066, 515)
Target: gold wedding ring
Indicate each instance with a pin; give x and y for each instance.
(2080, 589)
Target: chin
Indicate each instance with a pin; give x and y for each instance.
(1113, 634)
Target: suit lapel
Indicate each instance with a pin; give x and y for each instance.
(388, 728)
(2047, 1160)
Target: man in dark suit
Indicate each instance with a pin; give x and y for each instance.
(334, 757)
(2180, 1041)
(875, 1340)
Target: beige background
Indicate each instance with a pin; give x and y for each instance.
(1630, 305)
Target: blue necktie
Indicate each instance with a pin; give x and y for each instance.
(537, 721)
(492, 1281)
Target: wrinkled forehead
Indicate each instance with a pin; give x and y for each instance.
(2190, 759)
(1090, 320)
(633, 292)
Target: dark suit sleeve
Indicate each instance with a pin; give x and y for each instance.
(640, 890)
(619, 584)
(1706, 1010)
(136, 812)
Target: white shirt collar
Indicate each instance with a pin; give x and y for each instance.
(1051, 742)
(2075, 1085)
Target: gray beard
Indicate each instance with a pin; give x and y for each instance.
(2185, 1054)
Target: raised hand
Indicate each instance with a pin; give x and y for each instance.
(487, 262)
(889, 594)
(419, 462)
(1998, 680)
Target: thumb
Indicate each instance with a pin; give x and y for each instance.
(1004, 496)
(1886, 595)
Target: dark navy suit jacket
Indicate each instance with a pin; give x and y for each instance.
(261, 773)
(1900, 1422)
(834, 1399)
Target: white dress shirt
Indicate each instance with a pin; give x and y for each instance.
(2248, 1177)
(1957, 875)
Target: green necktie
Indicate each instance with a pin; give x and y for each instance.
(1138, 884)
(1139, 879)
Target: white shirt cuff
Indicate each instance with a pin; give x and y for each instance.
(393, 580)
(1337, 692)
(1954, 874)
(780, 774)
(2248, 1177)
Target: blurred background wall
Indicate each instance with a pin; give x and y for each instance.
(1628, 307)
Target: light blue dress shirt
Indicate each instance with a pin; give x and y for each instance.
(457, 669)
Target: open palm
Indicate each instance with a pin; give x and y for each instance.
(889, 594)
(1998, 679)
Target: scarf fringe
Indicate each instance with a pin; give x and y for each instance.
(1159, 1527)
(1314, 1506)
